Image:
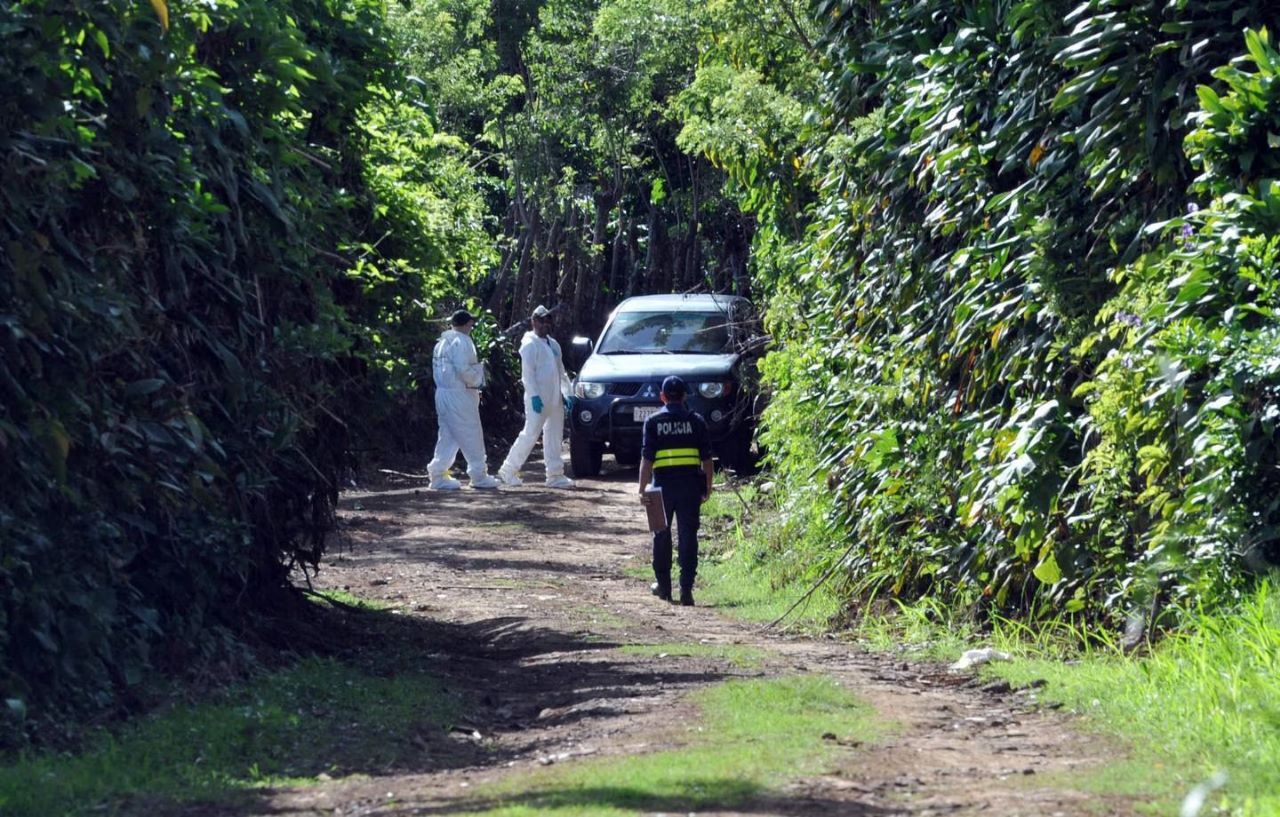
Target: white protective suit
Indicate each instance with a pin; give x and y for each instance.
(542, 372)
(459, 375)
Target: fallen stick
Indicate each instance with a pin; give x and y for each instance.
(403, 474)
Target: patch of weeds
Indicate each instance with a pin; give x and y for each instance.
(730, 500)
(752, 737)
(599, 617)
(756, 565)
(923, 629)
(1147, 785)
(735, 654)
(286, 727)
(516, 584)
(344, 600)
(642, 571)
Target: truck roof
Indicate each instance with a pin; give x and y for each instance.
(680, 303)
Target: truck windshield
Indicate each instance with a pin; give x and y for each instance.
(696, 333)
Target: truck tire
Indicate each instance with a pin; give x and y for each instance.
(584, 456)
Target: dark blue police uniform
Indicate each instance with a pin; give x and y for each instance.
(676, 442)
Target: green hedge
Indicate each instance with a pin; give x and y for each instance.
(1034, 392)
(177, 186)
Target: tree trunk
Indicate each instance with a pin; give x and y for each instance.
(520, 297)
(570, 260)
(617, 254)
(633, 258)
(658, 261)
(693, 256)
(598, 261)
(501, 280)
(546, 267)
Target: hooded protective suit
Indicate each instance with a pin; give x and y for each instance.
(542, 372)
(459, 375)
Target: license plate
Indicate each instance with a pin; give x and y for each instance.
(642, 413)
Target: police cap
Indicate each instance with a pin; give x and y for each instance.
(674, 386)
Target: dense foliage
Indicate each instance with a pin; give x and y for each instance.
(230, 232)
(216, 219)
(1019, 257)
(601, 203)
(1038, 349)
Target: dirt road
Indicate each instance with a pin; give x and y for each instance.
(529, 593)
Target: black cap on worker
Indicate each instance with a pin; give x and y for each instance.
(674, 387)
(461, 318)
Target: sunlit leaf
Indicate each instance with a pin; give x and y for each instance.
(162, 12)
(1048, 571)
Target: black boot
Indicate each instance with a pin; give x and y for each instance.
(662, 591)
(686, 597)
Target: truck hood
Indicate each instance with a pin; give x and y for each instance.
(615, 368)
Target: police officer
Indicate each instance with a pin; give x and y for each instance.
(675, 452)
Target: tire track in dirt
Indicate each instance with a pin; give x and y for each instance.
(524, 596)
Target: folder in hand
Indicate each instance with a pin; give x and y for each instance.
(655, 510)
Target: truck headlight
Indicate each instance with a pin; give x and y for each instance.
(711, 391)
(588, 391)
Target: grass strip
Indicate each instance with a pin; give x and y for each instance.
(1205, 701)
(1200, 709)
(752, 736)
(317, 716)
(736, 654)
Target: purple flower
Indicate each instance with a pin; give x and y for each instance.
(1187, 229)
(1129, 319)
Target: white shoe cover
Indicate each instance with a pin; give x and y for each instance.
(485, 482)
(559, 482)
(445, 484)
(509, 479)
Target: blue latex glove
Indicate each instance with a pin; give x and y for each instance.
(537, 404)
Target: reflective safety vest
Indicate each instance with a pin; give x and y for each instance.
(670, 457)
(676, 441)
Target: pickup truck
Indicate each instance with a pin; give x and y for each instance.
(712, 341)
